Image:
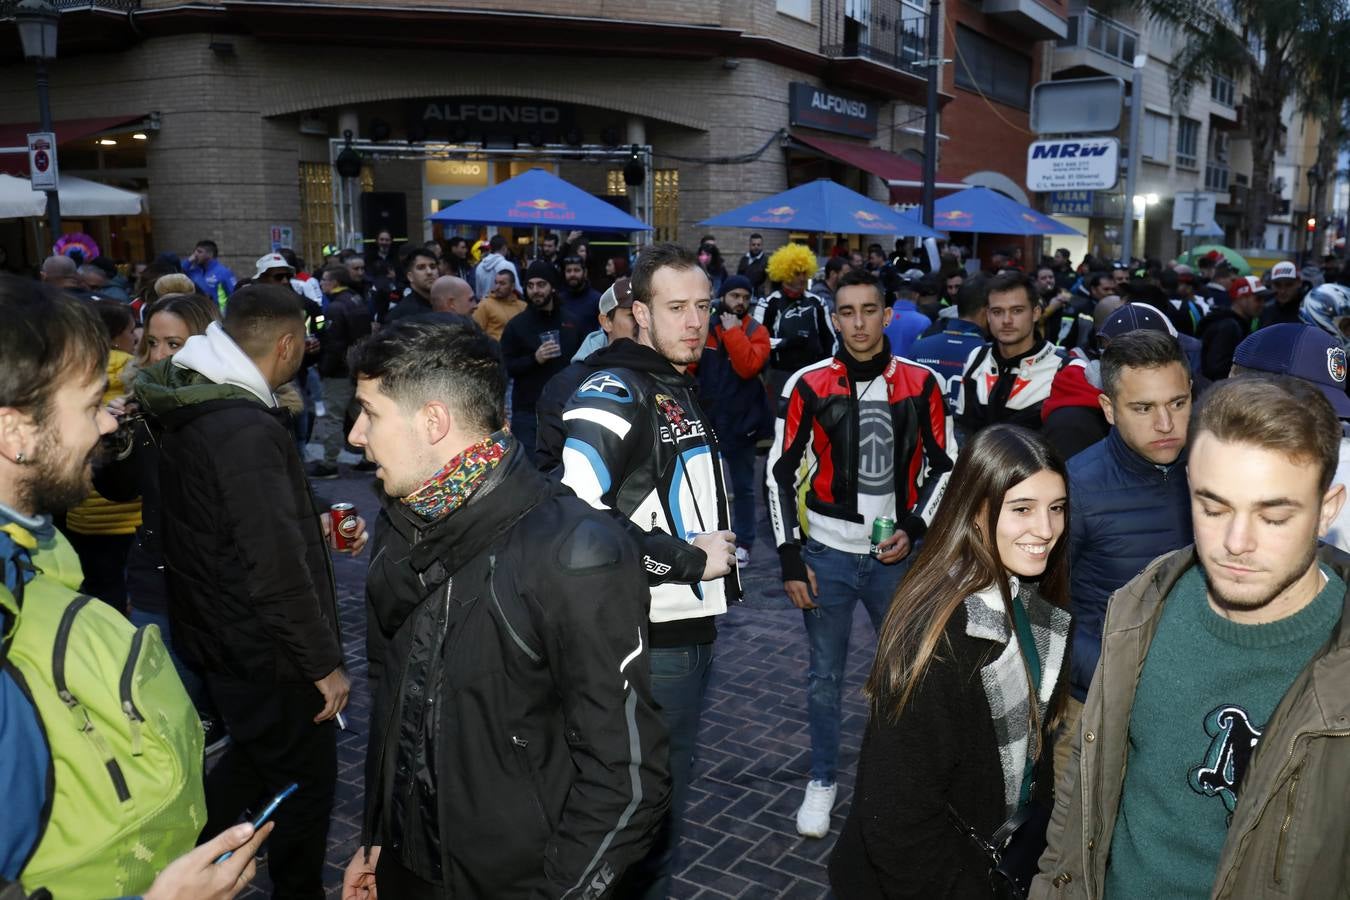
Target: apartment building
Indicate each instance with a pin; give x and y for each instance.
(1194, 144)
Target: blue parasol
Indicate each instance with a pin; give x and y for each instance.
(821, 206)
(539, 199)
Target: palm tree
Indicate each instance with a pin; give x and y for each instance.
(1267, 41)
(1324, 93)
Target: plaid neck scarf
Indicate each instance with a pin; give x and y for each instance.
(449, 488)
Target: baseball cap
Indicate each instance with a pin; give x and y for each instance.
(1283, 271)
(618, 294)
(269, 262)
(1244, 285)
(1135, 317)
(1300, 351)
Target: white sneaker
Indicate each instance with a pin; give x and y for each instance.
(742, 557)
(813, 817)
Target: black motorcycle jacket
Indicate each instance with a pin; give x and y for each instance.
(515, 750)
(636, 442)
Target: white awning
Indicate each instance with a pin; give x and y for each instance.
(18, 200)
(79, 197)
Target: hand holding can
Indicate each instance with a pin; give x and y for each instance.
(345, 526)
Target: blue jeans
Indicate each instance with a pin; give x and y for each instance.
(842, 579)
(679, 681)
(740, 460)
(196, 687)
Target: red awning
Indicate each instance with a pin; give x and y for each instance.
(67, 130)
(904, 176)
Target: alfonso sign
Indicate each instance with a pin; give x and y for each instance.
(813, 107)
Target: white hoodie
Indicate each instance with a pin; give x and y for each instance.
(487, 270)
(216, 356)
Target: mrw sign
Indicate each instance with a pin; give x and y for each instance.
(1075, 164)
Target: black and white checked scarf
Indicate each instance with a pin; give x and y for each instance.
(1005, 680)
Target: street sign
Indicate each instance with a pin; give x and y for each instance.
(283, 236)
(1077, 105)
(42, 161)
(1193, 210)
(1073, 164)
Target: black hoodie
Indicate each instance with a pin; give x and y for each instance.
(522, 338)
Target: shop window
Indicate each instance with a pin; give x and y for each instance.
(665, 200)
(317, 225)
(316, 211)
(990, 68)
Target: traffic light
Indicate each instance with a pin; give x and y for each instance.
(1312, 223)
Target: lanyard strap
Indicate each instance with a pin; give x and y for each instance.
(1026, 642)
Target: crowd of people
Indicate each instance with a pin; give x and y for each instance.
(1094, 514)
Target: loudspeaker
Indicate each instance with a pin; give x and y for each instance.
(384, 209)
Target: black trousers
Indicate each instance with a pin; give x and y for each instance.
(103, 558)
(276, 742)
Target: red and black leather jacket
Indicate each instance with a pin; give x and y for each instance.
(819, 414)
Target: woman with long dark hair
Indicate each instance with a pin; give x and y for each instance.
(968, 679)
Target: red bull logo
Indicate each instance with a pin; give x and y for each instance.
(863, 215)
(954, 217)
(541, 203)
(775, 215)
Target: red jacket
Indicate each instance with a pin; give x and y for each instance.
(730, 391)
(747, 346)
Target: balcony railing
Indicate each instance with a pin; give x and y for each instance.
(1107, 36)
(887, 31)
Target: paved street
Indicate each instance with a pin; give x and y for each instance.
(753, 758)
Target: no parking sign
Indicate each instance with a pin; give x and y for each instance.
(42, 161)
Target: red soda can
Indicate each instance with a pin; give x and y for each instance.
(342, 517)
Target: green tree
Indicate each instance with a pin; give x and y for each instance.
(1272, 46)
(1324, 94)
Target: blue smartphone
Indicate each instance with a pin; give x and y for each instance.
(266, 814)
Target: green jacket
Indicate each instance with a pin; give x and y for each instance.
(1290, 834)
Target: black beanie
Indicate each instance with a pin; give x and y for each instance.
(542, 268)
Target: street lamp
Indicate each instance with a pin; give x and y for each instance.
(37, 21)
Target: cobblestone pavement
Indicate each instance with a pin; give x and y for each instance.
(753, 759)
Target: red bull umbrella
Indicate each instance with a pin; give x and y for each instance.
(822, 206)
(980, 209)
(537, 198)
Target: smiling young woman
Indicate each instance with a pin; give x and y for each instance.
(967, 681)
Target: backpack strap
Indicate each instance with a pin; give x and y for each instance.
(978, 361)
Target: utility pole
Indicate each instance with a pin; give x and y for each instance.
(934, 64)
(1132, 163)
